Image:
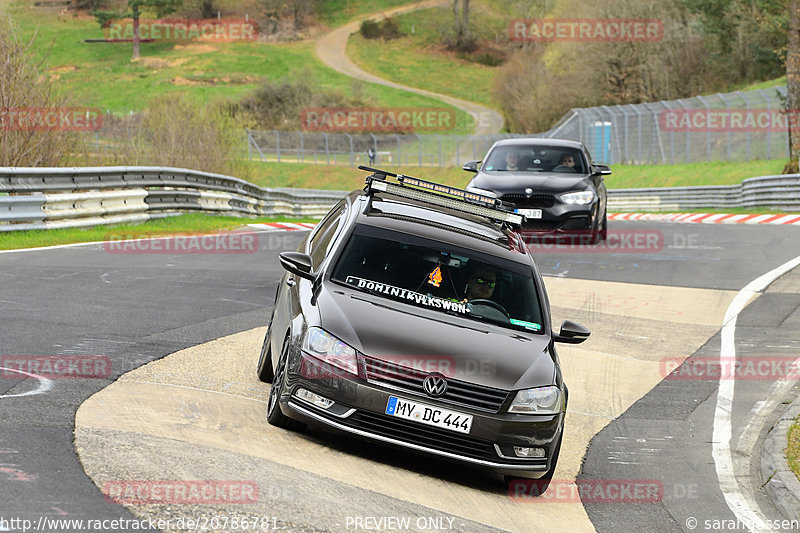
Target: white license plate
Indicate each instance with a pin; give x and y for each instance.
(529, 213)
(428, 414)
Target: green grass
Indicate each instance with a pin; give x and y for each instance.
(713, 173)
(779, 82)
(192, 223)
(102, 74)
(339, 12)
(793, 448)
(344, 177)
(418, 61)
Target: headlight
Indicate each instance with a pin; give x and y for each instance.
(482, 191)
(578, 198)
(331, 350)
(538, 401)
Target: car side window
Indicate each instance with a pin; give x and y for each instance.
(322, 238)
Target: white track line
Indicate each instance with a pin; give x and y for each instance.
(44, 384)
(721, 451)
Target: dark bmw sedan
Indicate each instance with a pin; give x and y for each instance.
(553, 183)
(418, 319)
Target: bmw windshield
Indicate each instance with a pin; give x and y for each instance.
(528, 158)
(441, 277)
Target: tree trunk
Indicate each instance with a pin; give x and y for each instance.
(793, 86)
(136, 31)
(457, 24)
(465, 19)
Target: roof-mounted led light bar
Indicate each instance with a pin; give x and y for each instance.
(441, 195)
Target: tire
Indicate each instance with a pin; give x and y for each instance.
(264, 370)
(604, 227)
(539, 486)
(274, 414)
(602, 231)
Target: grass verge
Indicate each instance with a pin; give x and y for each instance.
(344, 177)
(418, 60)
(793, 448)
(190, 223)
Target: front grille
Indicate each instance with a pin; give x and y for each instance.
(523, 201)
(430, 437)
(458, 392)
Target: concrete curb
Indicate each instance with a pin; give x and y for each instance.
(783, 487)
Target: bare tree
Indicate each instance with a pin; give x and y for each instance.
(463, 41)
(161, 7)
(25, 92)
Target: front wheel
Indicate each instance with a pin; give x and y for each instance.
(274, 414)
(264, 370)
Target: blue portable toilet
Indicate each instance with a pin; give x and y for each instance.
(600, 141)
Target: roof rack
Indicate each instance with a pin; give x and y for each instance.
(441, 195)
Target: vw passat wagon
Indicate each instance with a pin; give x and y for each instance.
(414, 315)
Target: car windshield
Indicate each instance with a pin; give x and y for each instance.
(528, 158)
(441, 277)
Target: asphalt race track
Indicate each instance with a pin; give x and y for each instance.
(199, 412)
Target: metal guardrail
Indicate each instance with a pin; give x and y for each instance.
(45, 198)
(779, 193)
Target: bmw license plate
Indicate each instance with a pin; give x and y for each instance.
(428, 414)
(529, 213)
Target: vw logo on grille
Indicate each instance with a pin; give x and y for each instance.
(435, 385)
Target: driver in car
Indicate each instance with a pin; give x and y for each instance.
(481, 283)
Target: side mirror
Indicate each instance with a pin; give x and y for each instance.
(600, 170)
(572, 333)
(471, 166)
(297, 263)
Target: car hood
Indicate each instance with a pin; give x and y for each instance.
(434, 341)
(541, 182)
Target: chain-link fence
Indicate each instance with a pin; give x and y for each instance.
(738, 126)
(423, 150)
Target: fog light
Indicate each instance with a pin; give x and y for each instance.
(313, 399)
(528, 452)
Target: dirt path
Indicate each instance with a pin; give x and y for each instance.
(331, 50)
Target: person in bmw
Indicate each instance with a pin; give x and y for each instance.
(370, 334)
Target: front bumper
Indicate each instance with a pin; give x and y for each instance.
(564, 219)
(359, 410)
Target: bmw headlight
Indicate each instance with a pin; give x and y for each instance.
(578, 198)
(538, 401)
(331, 350)
(484, 192)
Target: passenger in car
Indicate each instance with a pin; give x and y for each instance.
(565, 164)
